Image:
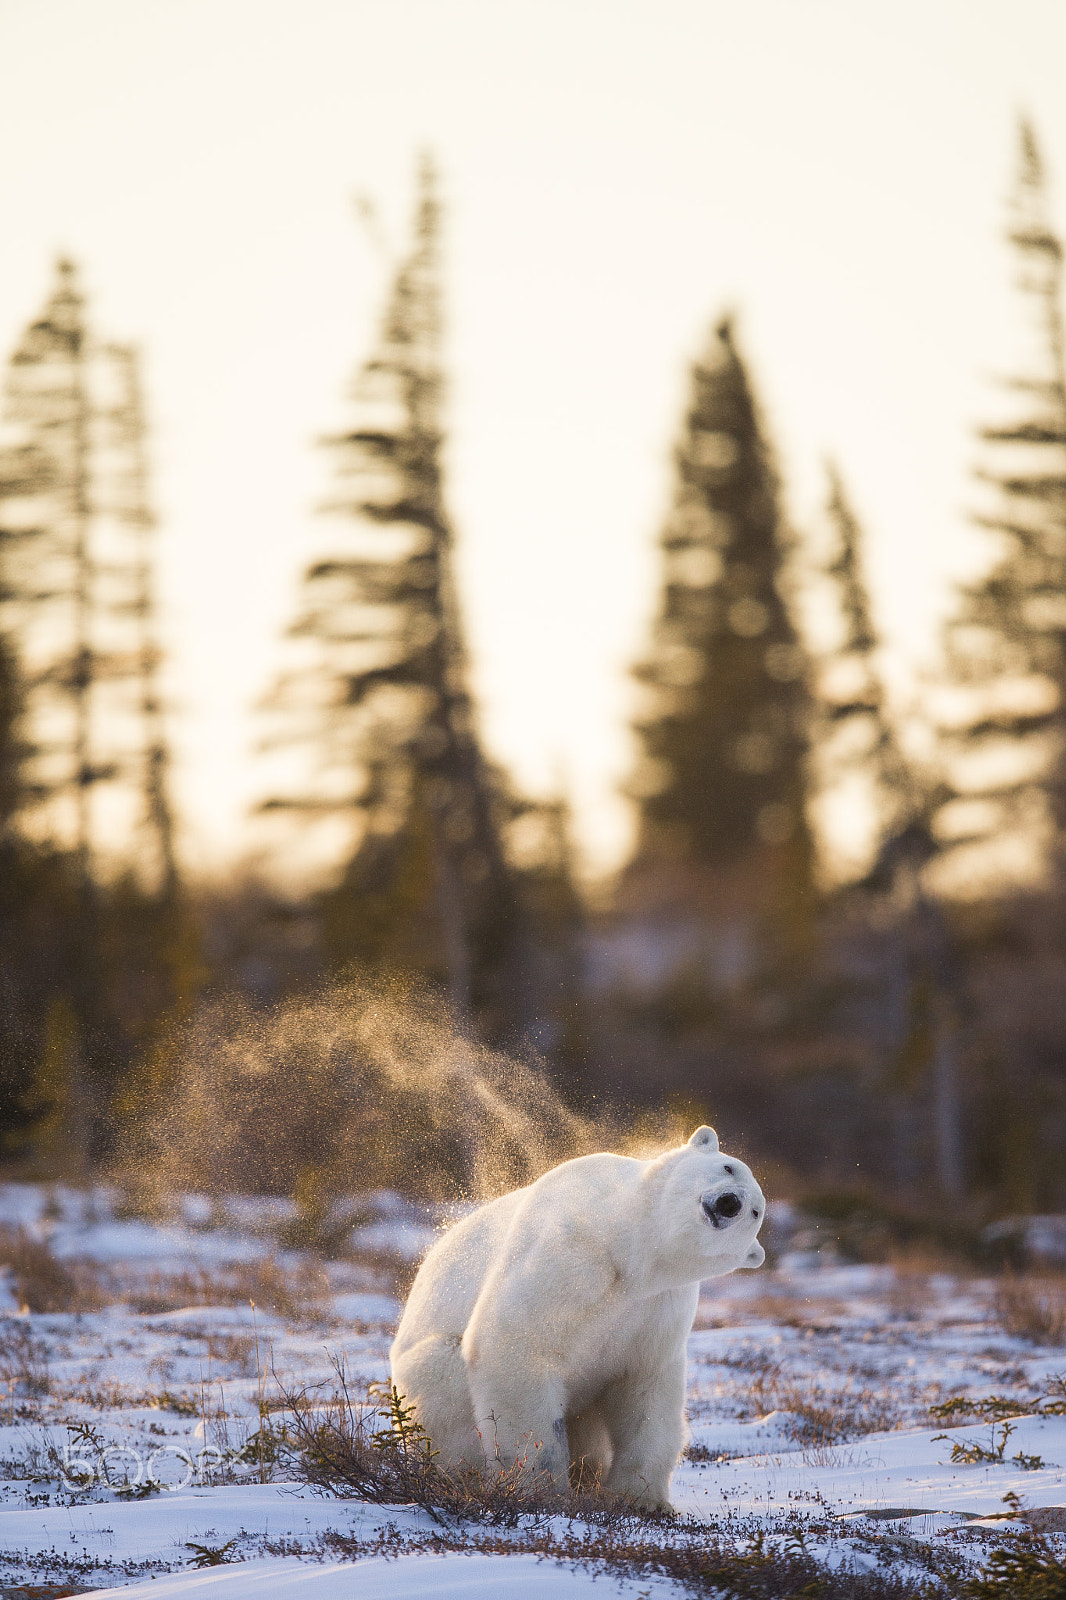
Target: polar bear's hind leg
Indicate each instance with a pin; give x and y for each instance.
(431, 1376)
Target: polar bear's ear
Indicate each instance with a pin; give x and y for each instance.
(704, 1139)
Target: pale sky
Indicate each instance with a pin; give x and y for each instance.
(615, 172)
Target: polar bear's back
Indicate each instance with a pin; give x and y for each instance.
(449, 1280)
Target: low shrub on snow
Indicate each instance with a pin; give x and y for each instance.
(380, 1453)
(1033, 1308)
(40, 1281)
(1027, 1573)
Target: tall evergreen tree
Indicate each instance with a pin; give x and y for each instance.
(722, 779)
(906, 955)
(859, 743)
(383, 699)
(48, 562)
(1007, 643)
(77, 567)
(1002, 828)
(89, 917)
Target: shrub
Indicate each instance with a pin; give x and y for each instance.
(41, 1282)
(382, 1454)
(1028, 1573)
(1033, 1308)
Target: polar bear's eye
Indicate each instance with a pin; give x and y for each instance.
(729, 1169)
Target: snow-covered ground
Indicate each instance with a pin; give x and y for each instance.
(809, 1398)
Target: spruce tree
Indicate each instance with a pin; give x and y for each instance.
(857, 738)
(1006, 645)
(722, 782)
(77, 570)
(382, 700)
(902, 966)
(94, 941)
(48, 564)
(1001, 832)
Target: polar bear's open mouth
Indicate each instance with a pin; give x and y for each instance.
(722, 1209)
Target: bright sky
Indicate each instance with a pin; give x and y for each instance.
(616, 171)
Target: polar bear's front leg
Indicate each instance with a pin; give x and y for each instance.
(644, 1412)
(519, 1414)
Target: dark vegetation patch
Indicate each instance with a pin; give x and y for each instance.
(820, 1414)
(40, 1281)
(1028, 1572)
(739, 1563)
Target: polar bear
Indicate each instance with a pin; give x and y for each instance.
(550, 1325)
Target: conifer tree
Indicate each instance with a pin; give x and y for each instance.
(1003, 826)
(383, 700)
(90, 921)
(1007, 643)
(77, 568)
(722, 779)
(48, 563)
(852, 688)
(858, 738)
(916, 1019)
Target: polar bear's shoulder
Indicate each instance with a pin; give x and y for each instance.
(582, 1196)
(586, 1179)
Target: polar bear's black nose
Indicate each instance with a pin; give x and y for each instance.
(724, 1207)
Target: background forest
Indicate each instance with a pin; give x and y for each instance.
(880, 1023)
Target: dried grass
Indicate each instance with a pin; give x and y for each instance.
(911, 1295)
(820, 1417)
(742, 1563)
(41, 1282)
(300, 1294)
(783, 1310)
(1033, 1308)
(23, 1362)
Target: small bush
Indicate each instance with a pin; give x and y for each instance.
(866, 1227)
(41, 1282)
(1029, 1573)
(1033, 1308)
(297, 1295)
(381, 1454)
(23, 1361)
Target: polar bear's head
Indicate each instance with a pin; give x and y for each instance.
(714, 1205)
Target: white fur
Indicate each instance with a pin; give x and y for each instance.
(550, 1325)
